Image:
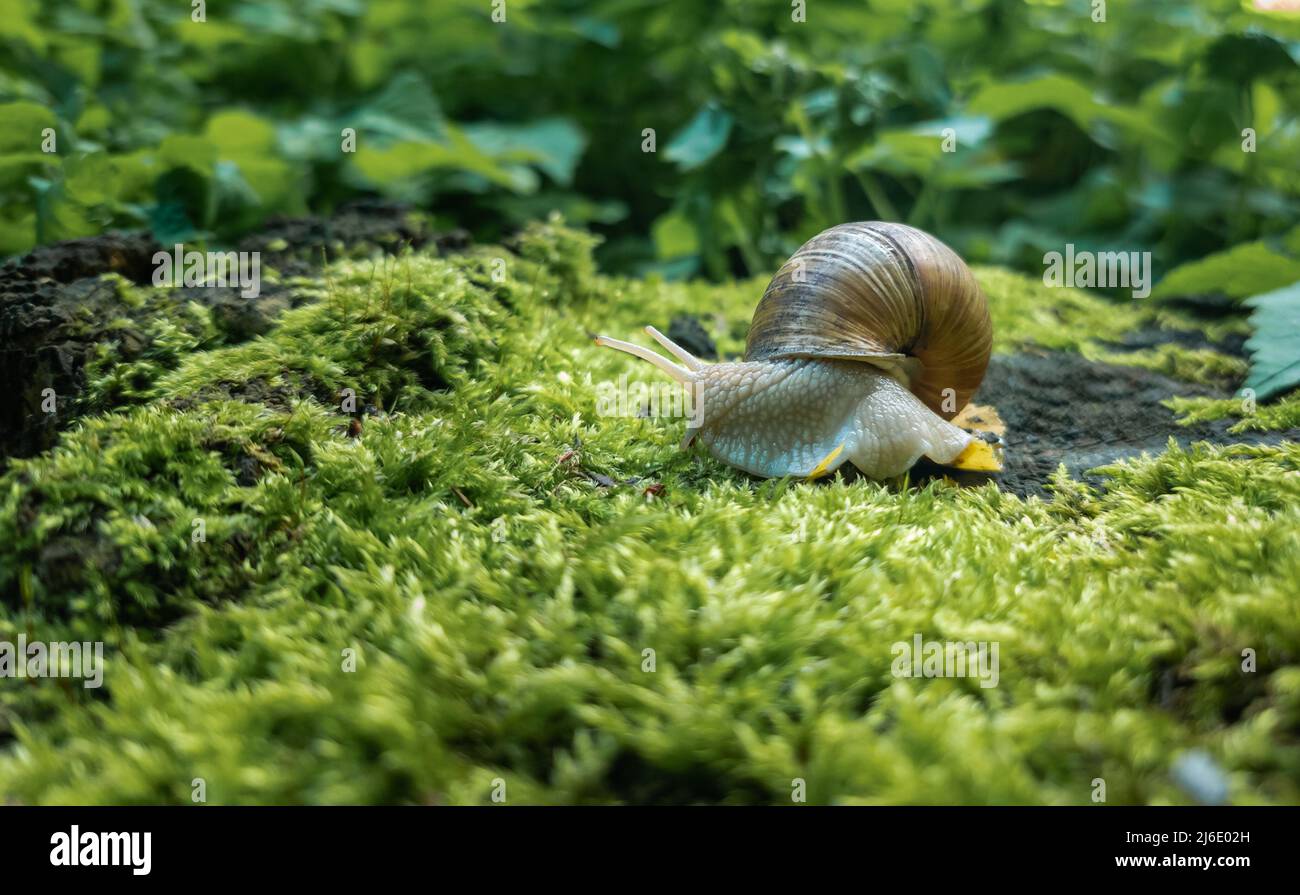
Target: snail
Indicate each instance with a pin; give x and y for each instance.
(863, 347)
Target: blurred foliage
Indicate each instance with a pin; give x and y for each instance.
(1236, 273)
(1118, 134)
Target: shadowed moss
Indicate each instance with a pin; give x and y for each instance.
(1279, 415)
(389, 330)
(1203, 365)
(520, 608)
(102, 343)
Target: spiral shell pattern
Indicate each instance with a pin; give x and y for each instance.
(886, 294)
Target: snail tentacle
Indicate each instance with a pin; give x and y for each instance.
(690, 361)
(681, 374)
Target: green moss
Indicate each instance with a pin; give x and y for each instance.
(1203, 365)
(391, 331)
(1241, 271)
(169, 334)
(1250, 415)
(565, 253)
(499, 602)
(1025, 311)
(102, 528)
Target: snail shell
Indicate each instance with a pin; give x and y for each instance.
(886, 294)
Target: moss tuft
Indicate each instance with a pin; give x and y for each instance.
(1201, 365)
(1250, 416)
(566, 253)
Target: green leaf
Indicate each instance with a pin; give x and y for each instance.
(552, 144)
(15, 169)
(1002, 100)
(701, 139)
(972, 131)
(198, 154)
(170, 223)
(17, 234)
(190, 200)
(18, 19)
(23, 123)
(251, 180)
(60, 216)
(918, 151)
(236, 200)
(899, 152)
(1244, 57)
(405, 109)
(1247, 269)
(403, 161)
(598, 31)
(313, 138)
(239, 135)
(1275, 346)
(1073, 99)
(91, 179)
(674, 236)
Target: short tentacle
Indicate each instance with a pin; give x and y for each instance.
(692, 362)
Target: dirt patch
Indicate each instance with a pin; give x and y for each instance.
(1233, 344)
(1060, 408)
(50, 330)
(276, 398)
(687, 330)
(297, 246)
(56, 311)
(129, 254)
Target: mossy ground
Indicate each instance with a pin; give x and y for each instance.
(495, 556)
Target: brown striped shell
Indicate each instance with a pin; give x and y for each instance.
(885, 294)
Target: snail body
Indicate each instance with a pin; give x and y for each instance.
(866, 342)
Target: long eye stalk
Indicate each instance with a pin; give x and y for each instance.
(682, 374)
